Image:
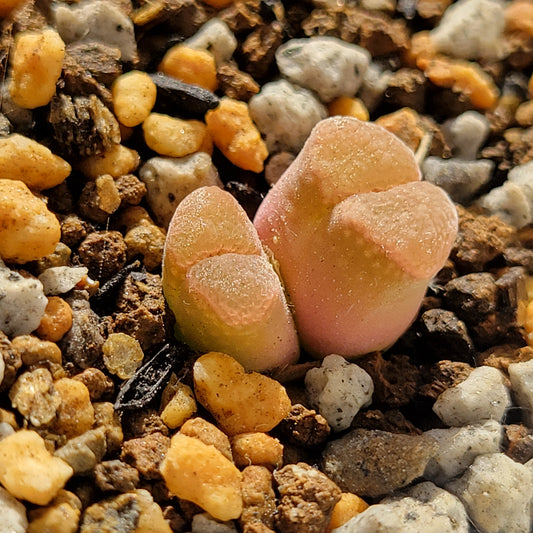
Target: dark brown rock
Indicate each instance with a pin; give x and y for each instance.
(141, 422)
(471, 297)
(374, 463)
(116, 476)
(307, 498)
(99, 199)
(516, 256)
(443, 375)
(73, 230)
(103, 253)
(259, 48)
(102, 61)
(146, 453)
(518, 442)
(304, 427)
(392, 421)
(242, 16)
(98, 384)
(235, 83)
(406, 88)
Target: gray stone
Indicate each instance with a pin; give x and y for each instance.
(466, 134)
(521, 375)
(13, 514)
(375, 463)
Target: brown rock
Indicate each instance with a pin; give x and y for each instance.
(307, 499)
(259, 48)
(304, 427)
(242, 16)
(406, 88)
(130, 189)
(518, 442)
(73, 230)
(374, 463)
(141, 311)
(115, 475)
(96, 382)
(392, 421)
(209, 434)
(443, 375)
(102, 61)
(99, 199)
(502, 356)
(236, 84)
(146, 454)
(258, 499)
(103, 253)
(12, 362)
(138, 423)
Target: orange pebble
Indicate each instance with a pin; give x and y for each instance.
(352, 107)
(191, 66)
(345, 509)
(56, 321)
(421, 49)
(218, 3)
(519, 17)
(462, 76)
(236, 136)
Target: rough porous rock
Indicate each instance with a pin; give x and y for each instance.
(497, 494)
(373, 463)
(285, 115)
(482, 396)
(458, 447)
(338, 390)
(307, 499)
(326, 65)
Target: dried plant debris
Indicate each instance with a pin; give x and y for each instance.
(337, 376)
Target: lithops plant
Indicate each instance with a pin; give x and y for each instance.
(357, 236)
(221, 287)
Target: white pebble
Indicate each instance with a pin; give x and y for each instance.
(215, 37)
(496, 492)
(510, 203)
(205, 523)
(458, 447)
(13, 514)
(22, 303)
(466, 133)
(424, 507)
(461, 179)
(169, 180)
(471, 29)
(97, 20)
(326, 65)
(521, 375)
(338, 390)
(61, 279)
(481, 396)
(285, 115)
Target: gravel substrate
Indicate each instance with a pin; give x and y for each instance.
(118, 416)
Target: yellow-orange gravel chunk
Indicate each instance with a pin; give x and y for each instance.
(519, 17)
(463, 76)
(236, 136)
(28, 230)
(75, 414)
(240, 402)
(346, 508)
(199, 473)
(351, 107)
(191, 66)
(134, 95)
(56, 321)
(28, 470)
(36, 63)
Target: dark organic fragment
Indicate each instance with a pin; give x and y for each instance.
(82, 125)
(151, 378)
(176, 97)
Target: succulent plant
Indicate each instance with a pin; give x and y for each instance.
(357, 237)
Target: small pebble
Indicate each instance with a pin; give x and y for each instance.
(204, 523)
(277, 165)
(116, 476)
(99, 199)
(85, 451)
(169, 180)
(285, 115)
(56, 321)
(28, 470)
(116, 161)
(179, 407)
(327, 65)
(134, 95)
(240, 402)
(36, 61)
(467, 133)
(13, 514)
(461, 179)
(307, 498)
(190, 65)
(99, 245)
(424, 507)
(75, 414)
(61, 516)
(352, 107)
(122, 355)
(258, 498)
(209, 434)
(173, 137)
(481, 396)
(28, 230)
(338, 390)
(199, 473)
(257, 449)
(374, 463)
(215, 37)
(458, 447)
(235, 135)
(97, 21)
(23, 303)
(33, 350)
(521, 375)
(496, 492)
(471, 29)
(146, 453)
(347, 507)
